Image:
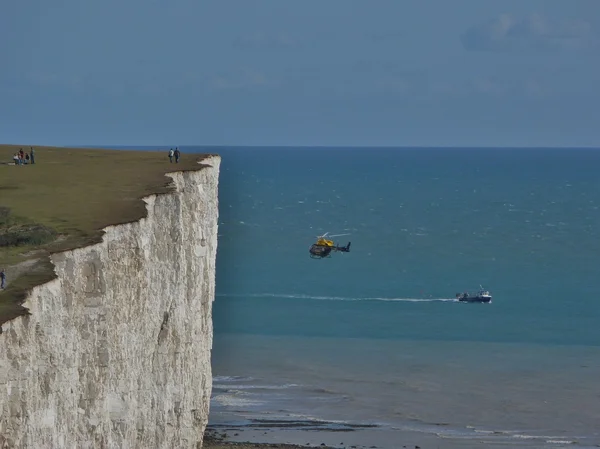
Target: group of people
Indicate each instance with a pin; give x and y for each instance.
(175, 154)
(22, 158)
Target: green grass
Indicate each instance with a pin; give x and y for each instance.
(64, 200)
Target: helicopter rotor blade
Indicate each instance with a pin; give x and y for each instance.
(338, 235)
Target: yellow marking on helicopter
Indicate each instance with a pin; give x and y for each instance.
(322, 241)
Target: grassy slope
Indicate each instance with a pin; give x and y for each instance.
(75, 193)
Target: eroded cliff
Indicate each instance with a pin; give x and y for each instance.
(116, 351)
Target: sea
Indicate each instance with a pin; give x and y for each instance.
(371, 348)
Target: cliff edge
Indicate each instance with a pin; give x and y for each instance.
(116, 350)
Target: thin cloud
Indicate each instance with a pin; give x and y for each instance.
(533, 88)
(50, 79)
(393, 85)
(380, 36)
(489, 86)
(505, 33)
(261, 40)
(245, 79)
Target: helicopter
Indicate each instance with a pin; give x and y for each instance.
(323, 247)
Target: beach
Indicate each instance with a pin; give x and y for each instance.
(240, 439)
(215, 439)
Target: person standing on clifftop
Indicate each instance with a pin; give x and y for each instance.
(32, 154)
(2, 278)
(177, 154)
(171, 155)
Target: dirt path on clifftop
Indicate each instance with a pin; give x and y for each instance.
(14, 271)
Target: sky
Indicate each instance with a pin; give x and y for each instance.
(295, 73)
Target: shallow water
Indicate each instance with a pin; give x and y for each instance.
(504, 391)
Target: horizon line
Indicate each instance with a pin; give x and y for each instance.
(345, 146)
(311, 146)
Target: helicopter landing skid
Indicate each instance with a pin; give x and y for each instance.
(312, 256)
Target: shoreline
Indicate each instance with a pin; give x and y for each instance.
(213, 439)
(232, 437)
(290, 437)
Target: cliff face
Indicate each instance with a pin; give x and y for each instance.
(116, 351)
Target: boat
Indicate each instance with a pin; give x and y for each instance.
(481, 296)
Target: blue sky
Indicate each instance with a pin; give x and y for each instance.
(329, 72)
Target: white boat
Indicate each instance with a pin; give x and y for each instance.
(482, 295)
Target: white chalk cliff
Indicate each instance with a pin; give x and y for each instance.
(116, 352)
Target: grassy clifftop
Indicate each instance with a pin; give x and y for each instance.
(64, 200)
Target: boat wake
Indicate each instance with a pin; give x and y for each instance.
(333, 298)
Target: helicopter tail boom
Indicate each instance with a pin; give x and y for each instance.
(345, 249)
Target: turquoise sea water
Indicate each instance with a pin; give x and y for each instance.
(375, 336)
(423, 223)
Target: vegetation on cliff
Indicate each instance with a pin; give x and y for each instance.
(64, 200)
